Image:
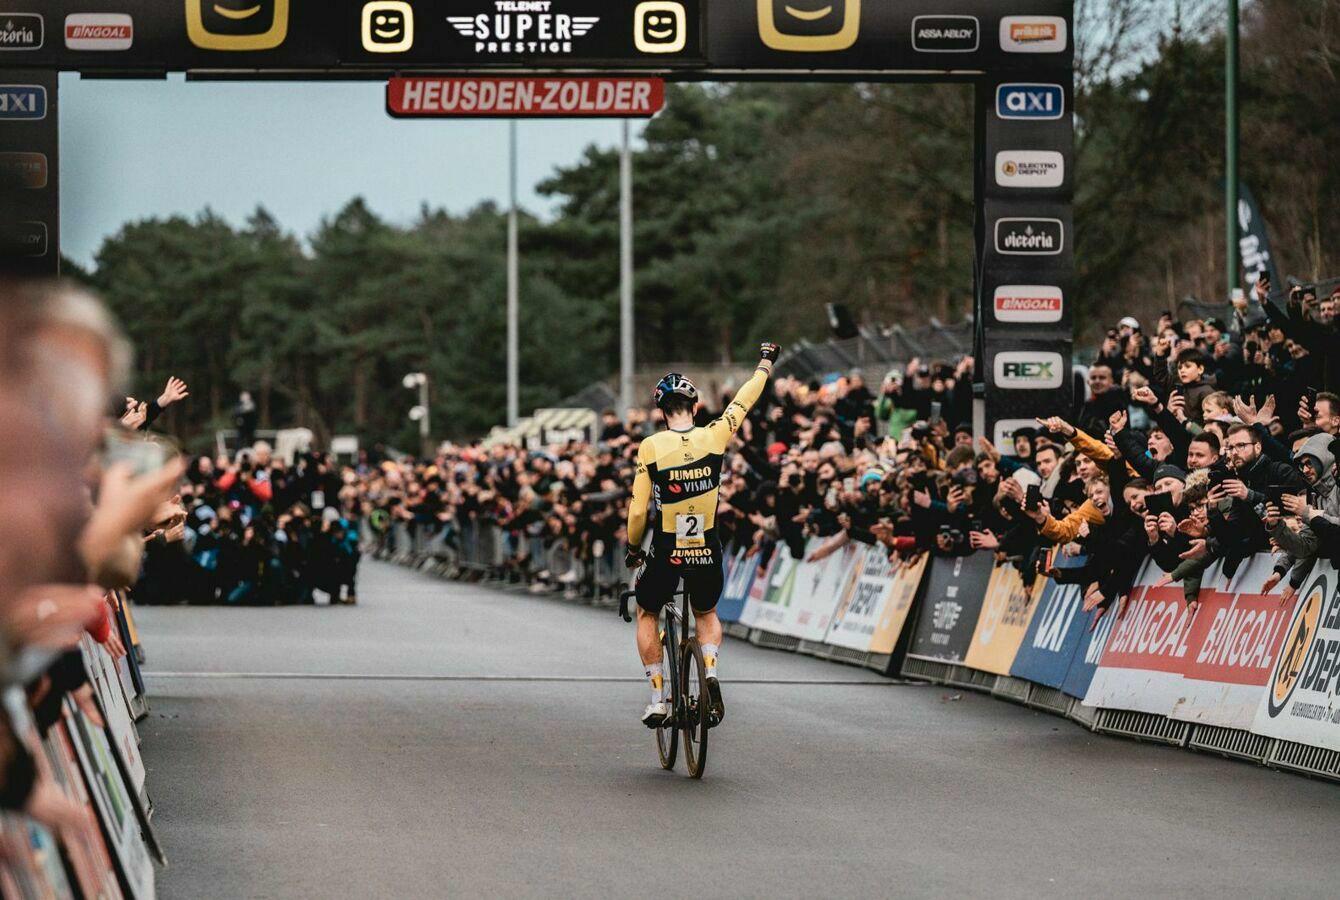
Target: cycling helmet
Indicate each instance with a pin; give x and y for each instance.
(673, 385)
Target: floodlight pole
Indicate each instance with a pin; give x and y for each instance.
(1231, 147)
(626, 347)
(513, 290)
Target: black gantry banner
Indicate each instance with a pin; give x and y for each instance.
(955, 589)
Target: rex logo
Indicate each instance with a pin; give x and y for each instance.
(237, 25)
(1029, 370)
(809, 26)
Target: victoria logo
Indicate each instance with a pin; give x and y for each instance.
(524, 26)
(1030, 101)
(945, 34)
(1029, 237)
(1033, 34)
(1030, 168)
(1028, 303)
(21, 31)
(23, 101)
(1029, 370)
(99, 31)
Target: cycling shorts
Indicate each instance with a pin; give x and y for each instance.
(664, 575)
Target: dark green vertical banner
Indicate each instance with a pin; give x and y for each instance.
(29, 174)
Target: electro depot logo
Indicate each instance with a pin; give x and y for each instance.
(1029, 370)
(1294, 653)
(809, 26)
(237, 25)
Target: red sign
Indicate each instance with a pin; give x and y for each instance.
(1153, 633)
(1235, 637)
(624, 98)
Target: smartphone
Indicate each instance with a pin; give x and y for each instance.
(1033, 497)
(1158, 503)
(1311, 394)
(142, 453)
(1276, 494)
(935, 410)
(848, 485)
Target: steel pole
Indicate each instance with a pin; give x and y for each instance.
(513, 292)
(425, 426)
(626, 348)
(1231, 147)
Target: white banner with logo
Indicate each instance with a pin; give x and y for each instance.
(819, 589)
(861, 606)
(770, 594)
(1299, 703)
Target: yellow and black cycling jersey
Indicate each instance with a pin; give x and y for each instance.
(679, 478)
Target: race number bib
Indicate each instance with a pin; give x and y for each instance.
(689, 531)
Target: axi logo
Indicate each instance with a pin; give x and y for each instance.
(809, 26)
(237, 24)
(1029, 237)
(23, 101)
(22, 31)
(1029, 370)
(1030, 101)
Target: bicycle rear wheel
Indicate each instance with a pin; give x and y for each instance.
(667, 736)
(694, 706)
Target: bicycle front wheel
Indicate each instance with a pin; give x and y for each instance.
(667, 736)
(694, 704)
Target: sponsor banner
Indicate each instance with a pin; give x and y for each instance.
(946, 34)
(1028, 303)
(106, 680)
(770, 610)
(21, 31)
(954, 592)
(739, 579)
(1007, 611)
(758, 588)
(1033, 34)
(1299, 701)
(1055, 631)
(1141, 666)
(1028, 101)
(525, 97)
(1030, 168)
(864, 598)
(24, 170)
(817, 592)
(1097, 631)
(1029, 236)
(1031, 370)
(892, 621)
(23, 102)
(1235, 637)
(99, 31)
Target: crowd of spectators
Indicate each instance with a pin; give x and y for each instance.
(1192, 441)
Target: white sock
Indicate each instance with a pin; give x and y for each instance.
(711, 652)
(656, 675)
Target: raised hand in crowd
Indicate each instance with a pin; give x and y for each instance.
(135, 416)
(174, 390)
(126, 507)
(1057, 425)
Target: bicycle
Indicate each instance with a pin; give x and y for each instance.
(686, 674)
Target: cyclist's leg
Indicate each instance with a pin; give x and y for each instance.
(654, 590)
(704, 587)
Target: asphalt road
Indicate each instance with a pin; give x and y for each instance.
(450, 740)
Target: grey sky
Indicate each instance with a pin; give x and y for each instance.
(133, 149)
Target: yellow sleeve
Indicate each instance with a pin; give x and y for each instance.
(637, 510)
(1067, 529)
(1094, 449)
(722, 429)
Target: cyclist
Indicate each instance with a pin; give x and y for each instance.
(678, 476)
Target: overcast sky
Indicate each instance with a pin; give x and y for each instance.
(132, 149)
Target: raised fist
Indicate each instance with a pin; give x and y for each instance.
(769, 351)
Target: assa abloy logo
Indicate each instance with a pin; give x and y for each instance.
(23, 102)
(1033, 34)
(1029, 370)
(945, 34)
(22, 31)
(1029, 237)
(1034, 102)
(24, 239)
(1028, 303)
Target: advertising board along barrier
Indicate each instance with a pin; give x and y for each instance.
(1007, 611)
(1235, 638)
(1055, 631)
(889, 643)
(758, 589)
(1298, 702)
(948, 616)
(739, 577)
(816, 591)
(861, 610)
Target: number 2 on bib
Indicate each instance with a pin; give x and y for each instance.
(689, 531)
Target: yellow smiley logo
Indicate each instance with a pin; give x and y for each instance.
(809, 26)
(237, 25)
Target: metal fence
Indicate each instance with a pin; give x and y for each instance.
(480, 550)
